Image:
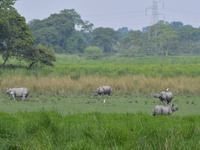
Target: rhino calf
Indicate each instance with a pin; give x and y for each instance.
(18, 92)
(164, 110)
(103, 90)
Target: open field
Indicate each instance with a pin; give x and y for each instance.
(85, 104)
(61, 112)
(69, 85)
(77, 67)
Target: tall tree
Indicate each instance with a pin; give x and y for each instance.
(166, 38)
(188, 33)
(123, 32)
(59, 30)
(161, 38)
(176, 25)
(105, 38)
(15, 36)
(132, 44)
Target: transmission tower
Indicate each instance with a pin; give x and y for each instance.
(154, 16)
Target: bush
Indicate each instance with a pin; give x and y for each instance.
(93, 52)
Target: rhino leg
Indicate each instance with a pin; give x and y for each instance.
(13, 97)
(25, 97)
(161, 99)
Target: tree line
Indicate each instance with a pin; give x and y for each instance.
(67, 33)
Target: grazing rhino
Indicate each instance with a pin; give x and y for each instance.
(167, 96)
(103, 90)
(18, 92)
(164, 110)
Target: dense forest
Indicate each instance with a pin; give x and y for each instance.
(66, 33)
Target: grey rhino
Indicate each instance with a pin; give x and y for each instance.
(167, 96)
(164, 110)
(103, 90)
(18, 92)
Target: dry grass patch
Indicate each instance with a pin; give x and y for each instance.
(85, 85)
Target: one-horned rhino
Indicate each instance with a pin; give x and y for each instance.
(166, 96)
(164, 110)
(18, 92)
(103, 90)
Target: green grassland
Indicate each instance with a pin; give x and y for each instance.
(85, 104)
(68, 86)
(61, 112)
(74, 66)
(51, 130)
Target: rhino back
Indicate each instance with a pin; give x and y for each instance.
(170, 95)
(20, 91)
(159, 109)
(102, 89)
(107, 88)
(166, 110)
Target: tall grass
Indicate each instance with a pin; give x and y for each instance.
(122, 85)
(50, 130)
(76, 76)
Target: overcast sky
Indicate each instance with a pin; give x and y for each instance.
(114, 13)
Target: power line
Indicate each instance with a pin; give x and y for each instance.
(113, 13)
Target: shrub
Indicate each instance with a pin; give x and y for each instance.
(93, 52)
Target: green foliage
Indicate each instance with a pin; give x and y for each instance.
(58, 31)
(105, 38)
(93, 52)
(167, 38)
(188, 48)
(123, 32)
(50, 130)
(66, 32)
(162, 38)
(133, 44)
(188, 33)
(15, 36)
(6, 5)
(76, 43)
(40, 55)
